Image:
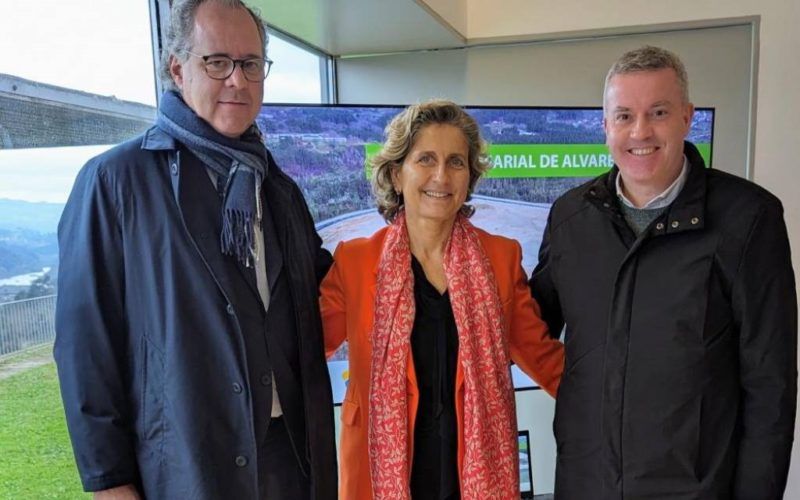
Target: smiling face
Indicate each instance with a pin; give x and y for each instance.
(230, 106)
(646, 121)
(434, 177)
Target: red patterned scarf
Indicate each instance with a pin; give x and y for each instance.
(490, 467)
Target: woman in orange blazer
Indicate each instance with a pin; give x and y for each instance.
(433, 310)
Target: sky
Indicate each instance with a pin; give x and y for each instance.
(42, 174)
(98, 46)
(102, 47)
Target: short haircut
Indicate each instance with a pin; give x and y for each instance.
(401, 133)
(649, 58)
(178, 38)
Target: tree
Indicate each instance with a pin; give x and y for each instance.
(40, 287)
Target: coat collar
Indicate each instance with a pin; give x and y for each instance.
(155, 139)
(686, 213)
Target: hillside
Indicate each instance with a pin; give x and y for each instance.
(37, 217)
(28, 236)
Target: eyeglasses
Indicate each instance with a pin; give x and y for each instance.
(221, 67)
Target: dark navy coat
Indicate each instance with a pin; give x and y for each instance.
(153, 325)
(681, 345)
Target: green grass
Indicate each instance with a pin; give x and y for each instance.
(41, 351)
(35, 454)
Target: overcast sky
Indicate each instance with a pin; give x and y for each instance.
(98, 46)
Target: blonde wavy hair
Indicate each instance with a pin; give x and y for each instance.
(401, 133)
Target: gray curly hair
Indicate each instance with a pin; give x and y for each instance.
(178, 38)
(401, 133)
(649, 58)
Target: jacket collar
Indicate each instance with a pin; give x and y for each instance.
(687, 212)
(156, 139)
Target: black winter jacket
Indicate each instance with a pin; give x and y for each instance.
(680, 375)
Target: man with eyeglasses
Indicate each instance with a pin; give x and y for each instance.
(189, 344)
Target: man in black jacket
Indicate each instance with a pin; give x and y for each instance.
(189, 343)
(676, 288)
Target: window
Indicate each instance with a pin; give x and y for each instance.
(297, 75)
(75, 78)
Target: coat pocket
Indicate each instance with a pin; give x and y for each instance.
(151, 414)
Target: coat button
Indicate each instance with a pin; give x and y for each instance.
(695, 220)
(266, 379)
(660, 226)
(241, 461)
(606, 204)
(174, 169)
(230, 309)
(237, 387)
(675, 224)
(592, 192)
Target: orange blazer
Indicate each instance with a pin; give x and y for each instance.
(348, 296)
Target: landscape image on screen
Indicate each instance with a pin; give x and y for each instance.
(537, 154)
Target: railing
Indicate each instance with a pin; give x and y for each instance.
(26, 323)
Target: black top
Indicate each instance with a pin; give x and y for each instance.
(434, 345)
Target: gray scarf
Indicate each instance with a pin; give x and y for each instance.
(242, 165)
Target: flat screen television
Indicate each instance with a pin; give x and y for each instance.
(537, 153)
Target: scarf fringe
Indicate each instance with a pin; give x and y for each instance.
(238, 237)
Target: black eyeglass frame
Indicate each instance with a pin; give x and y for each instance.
(235, 62)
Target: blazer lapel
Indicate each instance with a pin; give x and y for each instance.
(201, 209)
(272, 246)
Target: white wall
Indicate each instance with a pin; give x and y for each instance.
(535, 411)
(402, 78)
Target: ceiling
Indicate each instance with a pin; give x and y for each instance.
(360, 27)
